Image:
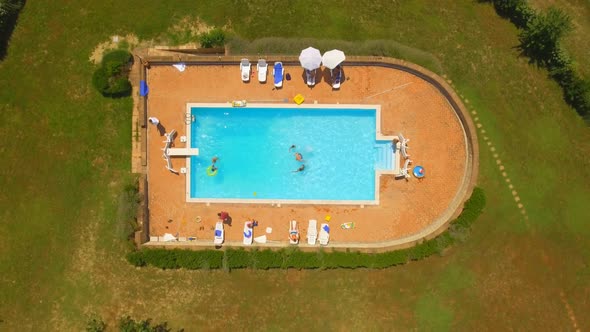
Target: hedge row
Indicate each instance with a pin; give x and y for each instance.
(294, 258)
(540, 38)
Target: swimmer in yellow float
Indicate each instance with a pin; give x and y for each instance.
(212, 170)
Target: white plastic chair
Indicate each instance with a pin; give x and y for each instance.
(312, 232)
(262, 68)
(245, 67)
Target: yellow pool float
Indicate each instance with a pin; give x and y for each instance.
(211, 172)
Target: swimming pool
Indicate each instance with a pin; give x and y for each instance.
(342, 151)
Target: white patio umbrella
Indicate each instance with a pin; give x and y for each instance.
(333, 58)
(310, 58)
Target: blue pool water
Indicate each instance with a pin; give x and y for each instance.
(339, 150)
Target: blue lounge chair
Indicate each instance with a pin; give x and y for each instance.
(277, 73)
(336, 77)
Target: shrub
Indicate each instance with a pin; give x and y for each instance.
(111, 79)
(96, 325)
(540, 39)
(518, 11)
(213, 38)
(267, 259)
(128, 324)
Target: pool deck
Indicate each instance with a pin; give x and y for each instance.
(409, 105)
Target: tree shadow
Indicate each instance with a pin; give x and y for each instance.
(7, 27)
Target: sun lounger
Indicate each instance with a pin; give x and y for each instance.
(312, 232)
(277, 73)
(336, 74)
(293, 232)
(245, 70)
(262, 68)
(219, 234)
(248, 233)
(310, 77)
(324, 234)
(170, 136)
(404, 171)
(403, 146)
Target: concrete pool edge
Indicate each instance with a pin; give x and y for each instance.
(435, 228)
(278, 202)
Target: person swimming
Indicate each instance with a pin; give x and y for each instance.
(298, 156)
(301, 168)
(292, 147)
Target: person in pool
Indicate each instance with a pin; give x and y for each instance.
(301, 168)
(298, 156)
(292, 147)
(213, 168)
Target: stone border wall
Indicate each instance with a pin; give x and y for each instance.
(434, 229)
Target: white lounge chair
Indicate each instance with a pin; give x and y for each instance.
(293, 232)
(312, 232)
(262, 68)
(245, 67)
(310, 77)
(277, 73)
(219, 233)
(170, 136)
(403, 146)
(248, 233)
(404, 172)
(324, 234)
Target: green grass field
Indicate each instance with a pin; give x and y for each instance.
(65, 161)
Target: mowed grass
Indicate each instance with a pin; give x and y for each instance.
(66, 160)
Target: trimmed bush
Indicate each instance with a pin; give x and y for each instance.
(293, 258)
(213, 38)
(111, 79)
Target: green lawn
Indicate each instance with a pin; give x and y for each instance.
(65, 160)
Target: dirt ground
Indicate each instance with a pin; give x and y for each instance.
(409, 105)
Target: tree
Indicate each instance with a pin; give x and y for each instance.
(540, 39)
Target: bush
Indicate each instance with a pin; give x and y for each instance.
(111, 79)
(517, 11)
(213, 38)
(96, 325)
(128, 324)
(540, 39)
(119, 57)
(293, 258)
